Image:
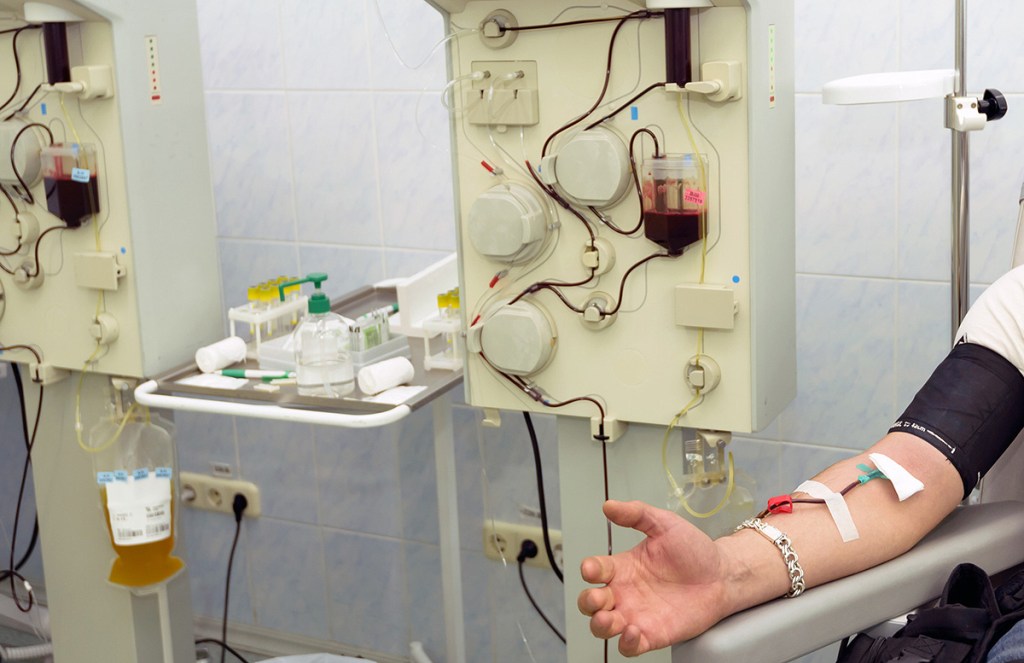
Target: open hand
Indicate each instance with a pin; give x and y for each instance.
(669, 588)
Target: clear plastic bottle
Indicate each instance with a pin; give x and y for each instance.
(674, 200)
(323, 360)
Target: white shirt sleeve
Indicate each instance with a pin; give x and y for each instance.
(996, 321)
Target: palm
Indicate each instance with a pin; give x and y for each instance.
(664, 590)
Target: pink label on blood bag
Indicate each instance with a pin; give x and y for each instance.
(693, 196)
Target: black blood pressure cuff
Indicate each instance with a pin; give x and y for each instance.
(970, 409)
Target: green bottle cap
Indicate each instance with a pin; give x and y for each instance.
(319, 303)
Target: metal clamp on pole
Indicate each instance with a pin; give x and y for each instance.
(971, 114)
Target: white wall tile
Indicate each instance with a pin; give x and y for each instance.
(426, 622)
(510, 480)
(287, 568)
(418, 476)
(325, 44)
(415, 166)
(357, 475)
(475, 570)
(800, 463)
(997, 170)
(278, 457)
(993, 60)
(335, 169)
(844, 38)
(204, 439)
(244, 263)
(761, 462)
(922, 335)
(348, 267)
(249, 159)
(241, 43)
(926, 34)
(845, 352)
(204, 544)
(845, 188)
(924, 191)
(366, 582)
(398, 263)
(404, 51)
(501, 627)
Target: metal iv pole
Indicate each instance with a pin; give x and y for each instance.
(960, 246)
(964, 114)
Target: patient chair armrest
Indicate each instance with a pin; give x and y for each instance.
(988, 535)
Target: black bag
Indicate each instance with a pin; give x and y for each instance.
(969, 619)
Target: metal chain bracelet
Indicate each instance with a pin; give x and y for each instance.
(789, 556)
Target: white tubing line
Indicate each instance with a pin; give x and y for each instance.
(145, 395)
(836, 506)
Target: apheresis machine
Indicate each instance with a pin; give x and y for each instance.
(625, 203)
(624, 187)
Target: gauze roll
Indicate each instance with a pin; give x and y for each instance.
(221, 354)
(384, 375)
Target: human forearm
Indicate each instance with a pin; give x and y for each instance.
(753, 570)
(677, 583)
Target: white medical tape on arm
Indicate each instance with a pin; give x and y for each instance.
(836, 504)
(904, 482)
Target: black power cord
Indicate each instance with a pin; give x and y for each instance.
(4, 575)
(12, 571)
(528, 551)
(540, 496)
(238, 507)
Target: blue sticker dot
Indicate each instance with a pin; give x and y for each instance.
(735, 279)
(42, 108)
(634, 113)
(123, 250)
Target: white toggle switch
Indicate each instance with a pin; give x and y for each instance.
(720, 81)
(704, 87)
(593, 313)
(702, 374)
(104, 329)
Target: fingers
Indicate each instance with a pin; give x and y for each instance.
(639, 516)
(598, 570)
(633, 642)
(607, 624)
(594, 600)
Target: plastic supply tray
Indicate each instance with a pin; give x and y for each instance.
(350, 306)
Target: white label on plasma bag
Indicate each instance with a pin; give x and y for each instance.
(140, 510)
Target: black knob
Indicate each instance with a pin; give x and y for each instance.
(993, 105)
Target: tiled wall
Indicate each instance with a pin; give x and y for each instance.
(327, 154)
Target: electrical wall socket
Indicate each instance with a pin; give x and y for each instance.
(217, 493)
(502, 541)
